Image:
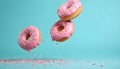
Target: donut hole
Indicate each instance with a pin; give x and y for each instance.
(69, 6)
(60, 28)
(28, 37)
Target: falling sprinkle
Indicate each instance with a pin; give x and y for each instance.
(43, 41)
(94, 64)
(28, 50)
(88, 61)
(101, 65)
(56, 43)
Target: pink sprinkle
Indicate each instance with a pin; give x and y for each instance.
(26, 61)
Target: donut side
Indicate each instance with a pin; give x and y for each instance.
(73, 15)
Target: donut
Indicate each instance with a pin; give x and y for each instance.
(62, 30)
(69, 10)
(29, 38)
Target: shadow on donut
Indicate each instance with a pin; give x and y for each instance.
(62, 39)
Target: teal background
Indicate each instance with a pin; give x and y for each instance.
(96, 35)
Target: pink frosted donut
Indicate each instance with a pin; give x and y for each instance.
(62, 30)
(69, 10)
(29, 38)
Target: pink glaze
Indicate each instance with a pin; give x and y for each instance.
(65, 32)
(69, 8)
(29, 38)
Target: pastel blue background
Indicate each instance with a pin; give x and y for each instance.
(96, 35)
